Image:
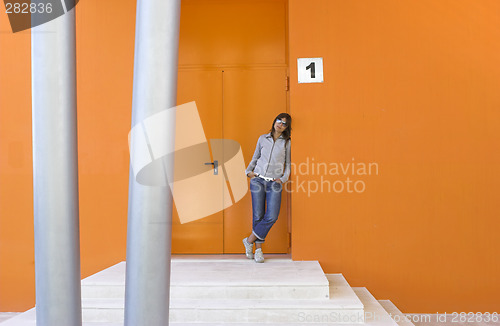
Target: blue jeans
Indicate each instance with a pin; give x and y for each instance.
(264, 192)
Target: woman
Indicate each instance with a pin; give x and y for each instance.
(268, 170)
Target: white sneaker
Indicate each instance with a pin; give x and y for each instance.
(248, 248)
(259, 256)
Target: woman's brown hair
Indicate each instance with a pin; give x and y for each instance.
(287, 133)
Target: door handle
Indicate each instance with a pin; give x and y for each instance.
(215, 163)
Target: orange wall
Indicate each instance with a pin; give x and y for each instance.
(105, 49)
(414, 86)
(17, 276)
(409, 85)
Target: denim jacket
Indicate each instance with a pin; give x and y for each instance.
(271, 158)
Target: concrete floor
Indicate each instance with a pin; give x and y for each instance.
(7, 315)
(417, 319)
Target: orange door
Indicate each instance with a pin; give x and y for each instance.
(238, 104)
(253, 97)
(202, 236)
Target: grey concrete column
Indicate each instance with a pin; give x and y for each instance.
(150, 207)
(55, 173)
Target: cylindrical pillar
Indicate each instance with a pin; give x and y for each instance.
(150, 207)
(55, 173)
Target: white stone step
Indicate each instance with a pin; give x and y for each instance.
(342, 292)
(27, 318)
(7, 315)
(342, 303)
(108, 283)
(375, 315)
(224, 279)
(395, 313)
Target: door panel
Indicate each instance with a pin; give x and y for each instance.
(202, 236)
(232, 62)
(235, 104)
(252, 99)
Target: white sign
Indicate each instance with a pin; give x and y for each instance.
(310, 70)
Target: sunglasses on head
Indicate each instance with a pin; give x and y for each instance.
(281, 121)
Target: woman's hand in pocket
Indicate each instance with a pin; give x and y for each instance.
(252, 175)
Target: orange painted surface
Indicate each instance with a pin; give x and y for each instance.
(17, 276)
(204, 236)
(242, 32)
(254, 97)
(105, 48)
(225, 98)
(409, 85)
(414, 87)
(232, 62)
(105, 56)
(104, 93)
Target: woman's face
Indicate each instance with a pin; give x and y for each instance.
(280, 125)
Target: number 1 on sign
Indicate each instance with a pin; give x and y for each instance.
(310, 70)
(313, 69)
